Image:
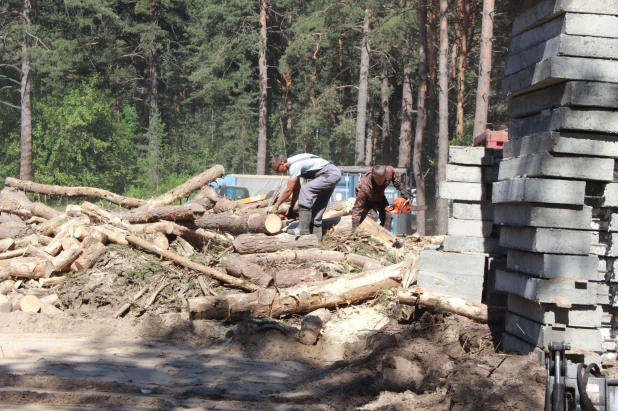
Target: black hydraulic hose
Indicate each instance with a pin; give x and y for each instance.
(582, 381)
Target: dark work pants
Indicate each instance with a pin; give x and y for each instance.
(315, 194)
(386, 218)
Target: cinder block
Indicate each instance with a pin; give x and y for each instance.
(558, 69)
(469, 287)
(611, 195)
(604, 297)
(465, 191)
(561, 291)
(562, 45)
(510, 343)
(564, 119)
(493, 297)
(473, 245)
(563, 143)
(475, 156)
(572, 93)
(576, 24)
(549, 9)
(473, 211)
(452, 263)
(546, 240)
(578, 267)
(581, 316)
(471, 174)
(546, 165)
(470, 228)
(536, 190)
(542, 335)
(530, 215)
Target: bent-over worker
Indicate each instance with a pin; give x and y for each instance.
(370, 195)
(322, 177)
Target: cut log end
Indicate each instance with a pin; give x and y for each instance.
(310, 329)
(30, 304)
(273, 224)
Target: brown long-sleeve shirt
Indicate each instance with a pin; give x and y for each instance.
(369, 193)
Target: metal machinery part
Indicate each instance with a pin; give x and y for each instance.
(569, 387)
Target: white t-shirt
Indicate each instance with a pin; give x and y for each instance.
(301, 164)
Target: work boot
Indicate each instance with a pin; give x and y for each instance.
(304, 222)
(317, 230)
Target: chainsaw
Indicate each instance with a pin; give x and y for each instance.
(570, 387)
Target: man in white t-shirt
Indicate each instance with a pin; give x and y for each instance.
(322, 177)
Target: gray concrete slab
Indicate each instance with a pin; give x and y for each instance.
(562, 45)
(475, 156)
(563, 143)
(613, 225)
(559, 69)
(452, 263)
(465, 191)
(470, 228)
(532, 215)
(471, 174)
(549, 9)
(512, 344)
(546, 165)
(581, 267)
(572, 93)
(603, 294)
(537, 190)
(577, 24)
(494, 297)
(473, 245)
(542, 335)
(473, 211)
(469, 287)
(546, 240)
(611, 195)
(553, 291)
(565, 118)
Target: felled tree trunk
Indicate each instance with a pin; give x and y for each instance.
(189, 212)
(49, 227)
(240, 223)
(30, 267)
(312, 325)
(261, 243)
(6, 244)
(90, 256)
(99, 214)
(12, 229)
(41, 210)
(424, 297)
(60, 191)
(311, 255)
(238, 267)
(288, 278)
(339, 208)
(377, 231)
(186, 188)
(300, 299)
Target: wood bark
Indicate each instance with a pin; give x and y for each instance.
(339, 209)
(465, 17)
(310, 329)
(73, 210)
(30, 267)
(189, 212)
(361, 117)
(99, 214)
(51, 282)
(33, 251)
(15, 202)
(442, 204)
(240, 223)
(185, 262)
(303, 298)
(183, 190)
(405, 135)
(6, 244)
(13, 229)
(7, 255)
(66, 258)
(432, 42)
(288, 278)
(49, 227)
(385, 94)
(377, 231)
(262, 108)
(261, 243)
(238, 267)
(484, 77)
(62, 191)
(207, 197)
(224, 205)
(25, 165)
(370, 142)
(313, 255)
(424, 297)
(421, 117)
(90, 256)
(41, 210)
(161, 241)
(165, 227)
(54, 247)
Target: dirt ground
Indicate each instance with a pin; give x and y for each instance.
(374, 356)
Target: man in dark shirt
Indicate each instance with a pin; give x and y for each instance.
(370, 195)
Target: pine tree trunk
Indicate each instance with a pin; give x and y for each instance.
(463, 14)
(483, 88)
(432, 42)
(442, 205)
(26, 109)
(370, 136)
(361, 118)
(421, 118)
(387, 143)
(405, 136)
(261, 153)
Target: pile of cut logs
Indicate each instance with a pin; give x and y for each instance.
(39, 245)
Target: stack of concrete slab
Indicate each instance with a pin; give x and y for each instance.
(555, 198)
(466, 265)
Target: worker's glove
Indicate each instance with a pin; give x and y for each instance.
(274, 209)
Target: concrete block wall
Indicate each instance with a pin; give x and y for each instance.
(555, 197)
(471, 255)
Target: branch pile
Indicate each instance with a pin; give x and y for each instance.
(40, 246)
